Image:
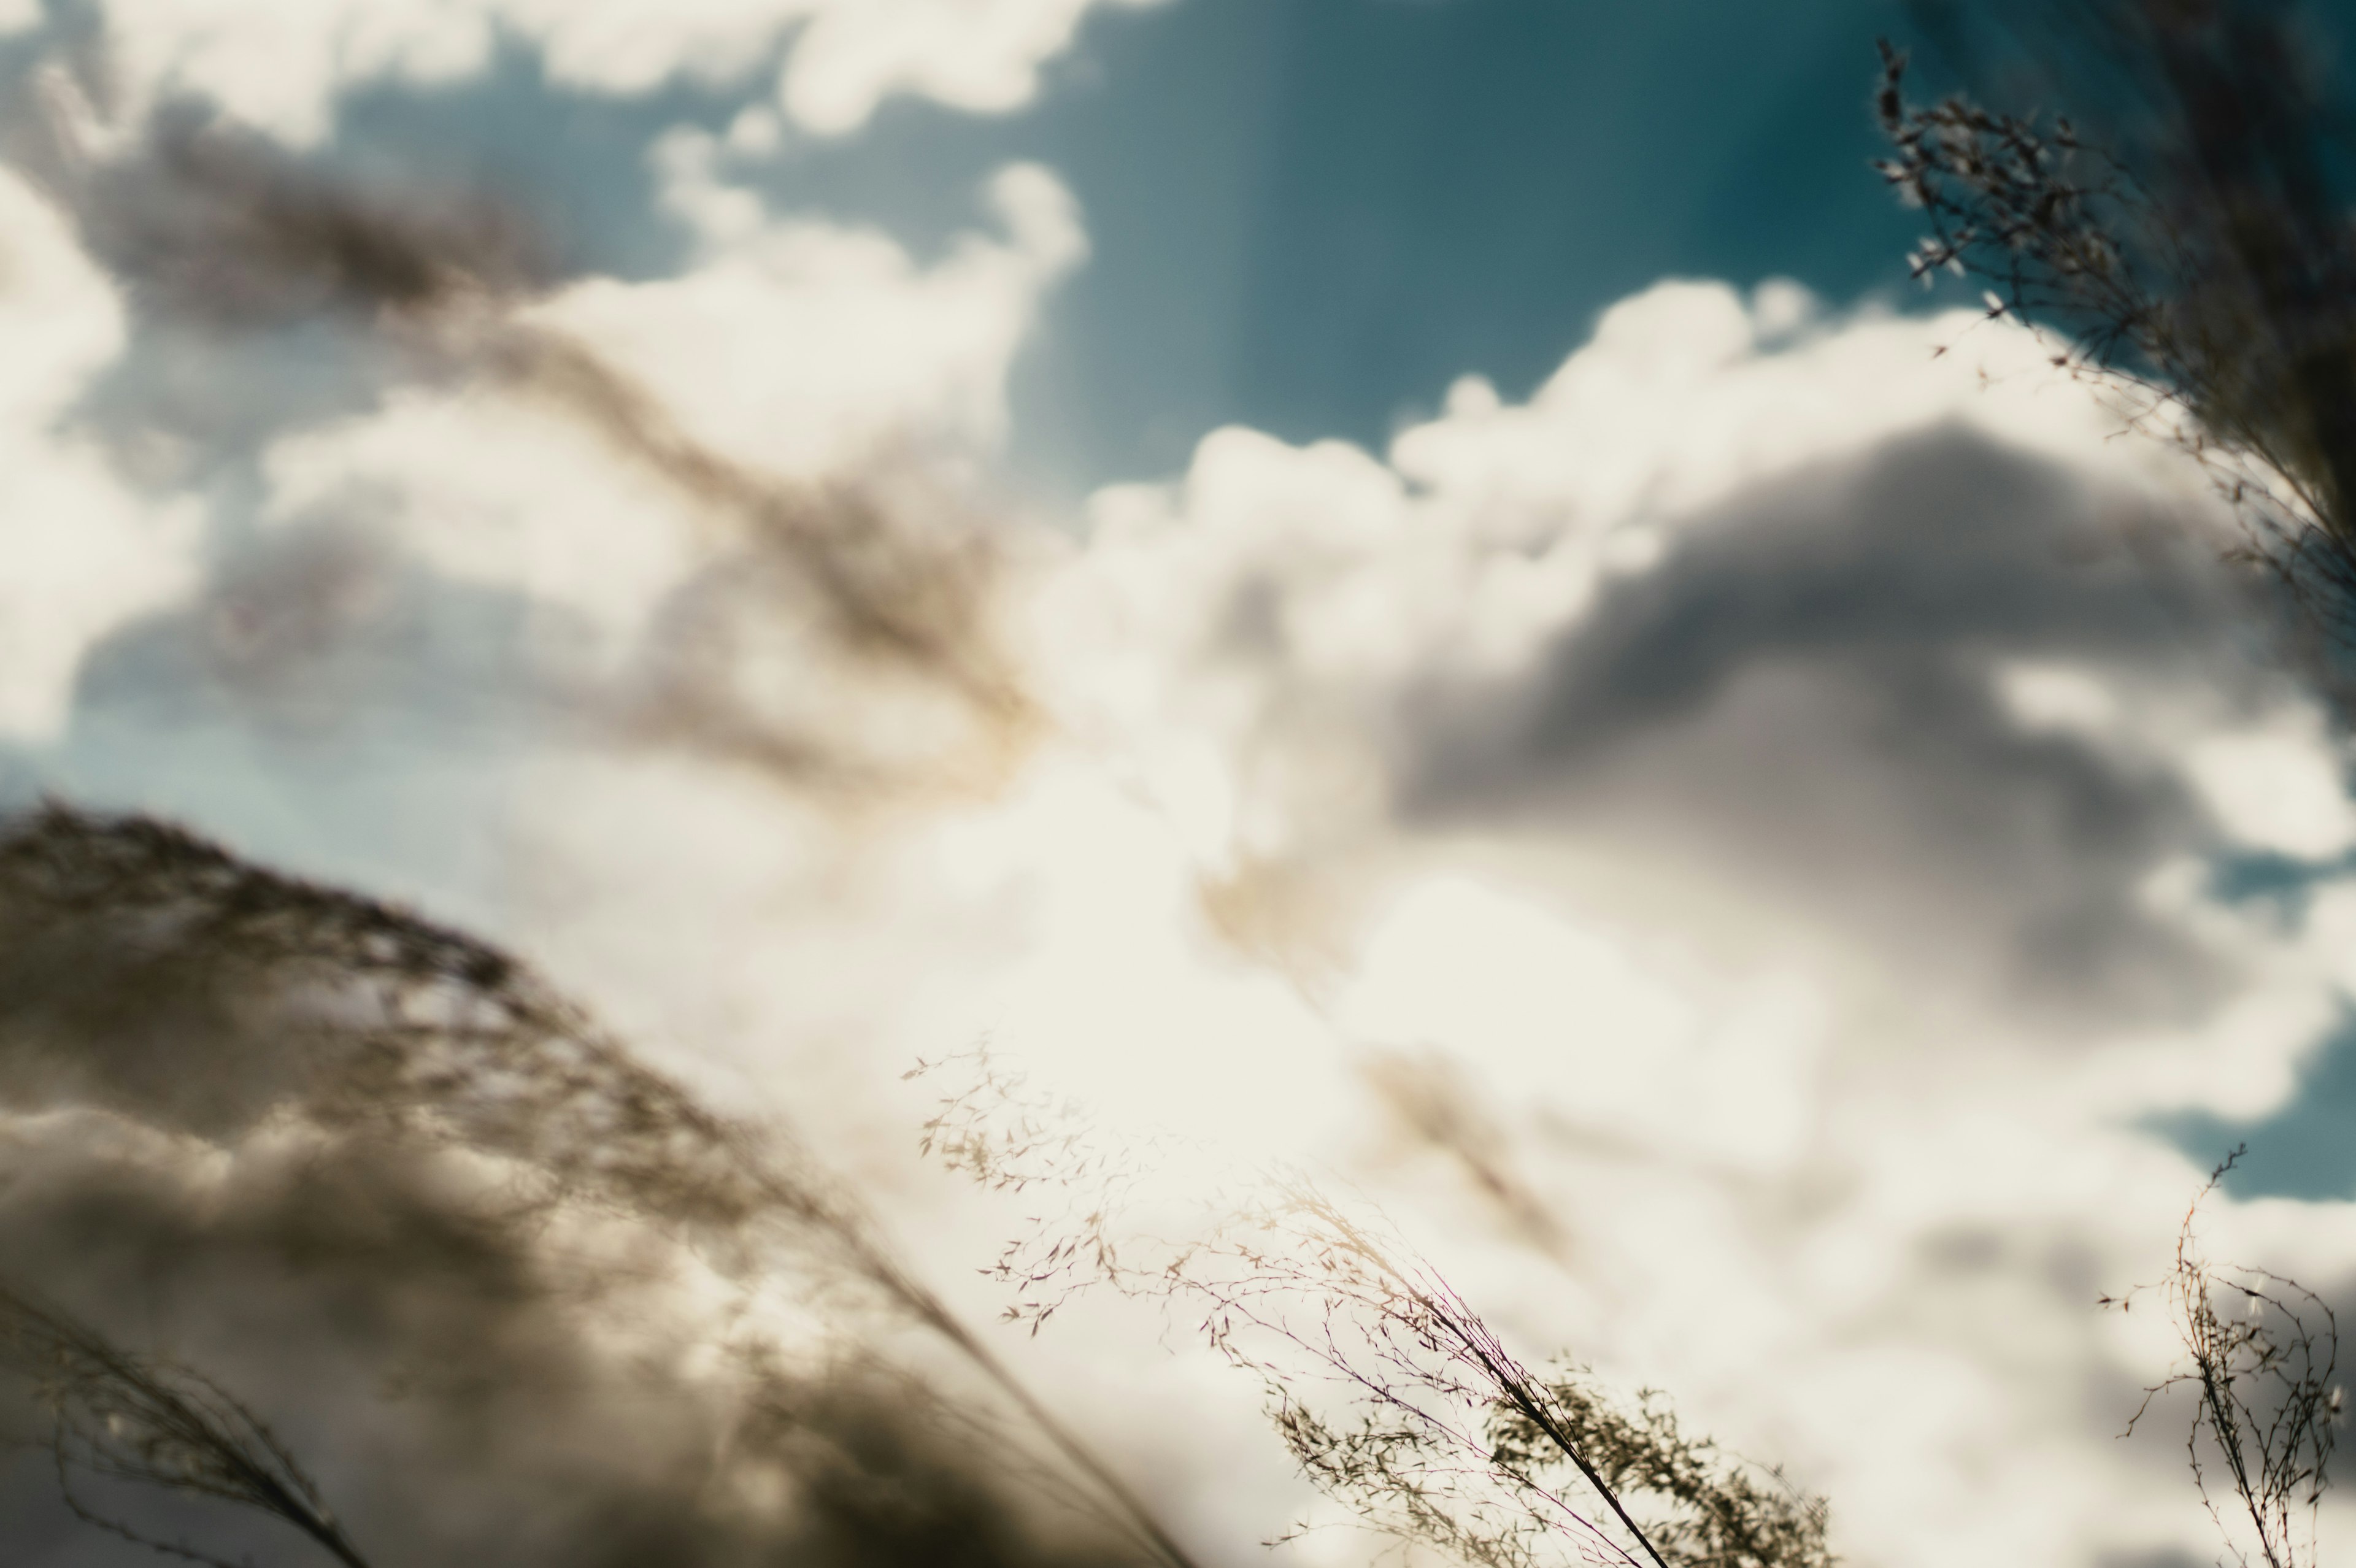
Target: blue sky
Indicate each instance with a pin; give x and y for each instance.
(1307, 215)
(1310, 215)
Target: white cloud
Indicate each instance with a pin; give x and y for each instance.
(84, 552)
(279, 63)
(793, 344)
(489, 492)
(2282, 789)
(982, 56)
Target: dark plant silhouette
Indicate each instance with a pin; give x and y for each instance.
(2194, 256)
(126, 943)
(1394, 1395)
(121, 1417)
(2261, 1357)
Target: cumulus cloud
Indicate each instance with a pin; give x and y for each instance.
(1709, 592)
(279, 65)
(87, 550)
(792, 343)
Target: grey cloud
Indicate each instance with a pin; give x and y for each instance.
(296, 634)
(792, 654)
(210, 223)
(267, 290)
(2156, 1557)
(1804, 690)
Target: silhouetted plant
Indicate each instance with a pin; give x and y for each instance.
(150, 1421)
(2204, 271)
(2263, 1368)
(1394, 1395)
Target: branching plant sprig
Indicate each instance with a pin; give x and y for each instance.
(1392, 1394)
(1730, 1513)
(2068, 242)
(1003, 1135)
(119, 1416)
(2033, 211)
(2264, 1366)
